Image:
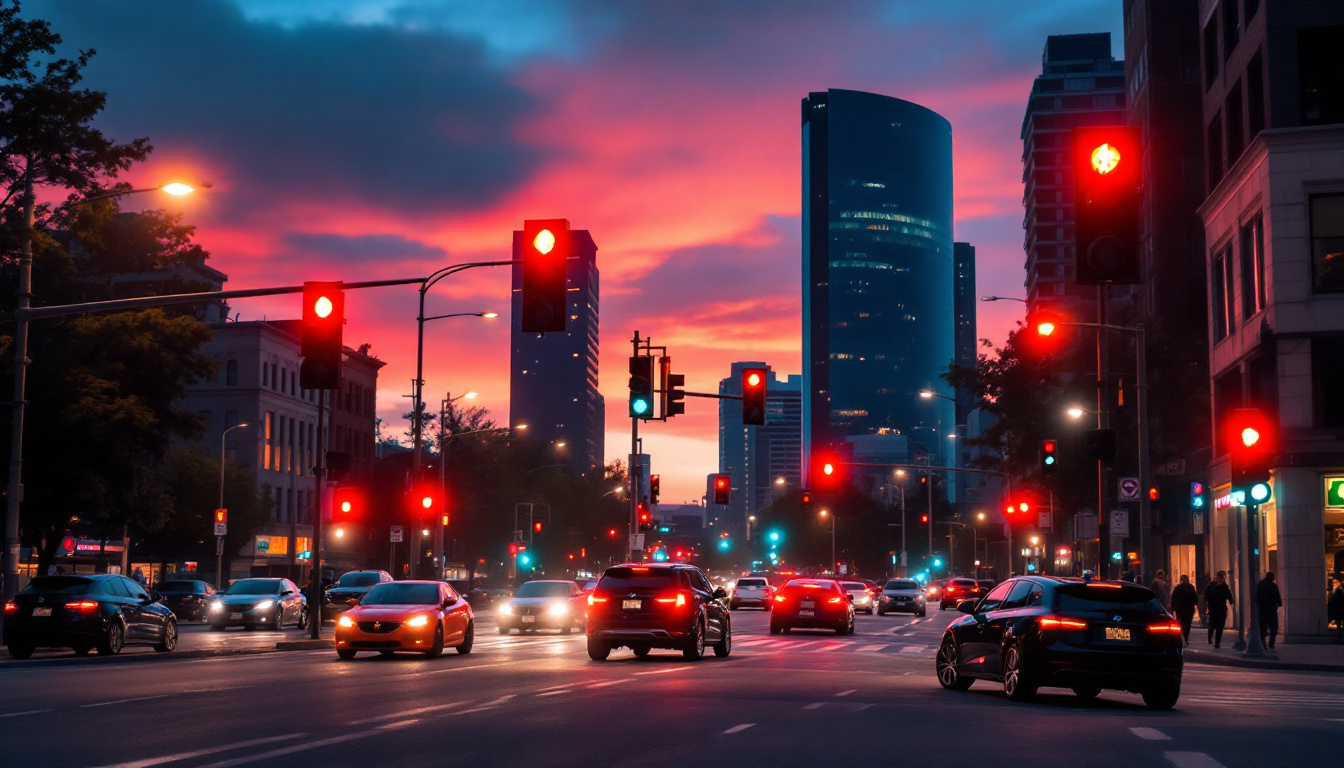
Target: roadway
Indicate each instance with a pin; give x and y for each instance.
(807, 698)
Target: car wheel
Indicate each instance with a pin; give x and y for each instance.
(732, 605)
(695, 645)
(468, 639)
(598, 650)
(640, 651)
(436, 647)
(345, 654)
(169, 640)
(112, 642)
(280, 617)
(21, 651)
(1016, 685)
(881, 612)
(775, 628)
(250, 627)
(387, 654)
(1162, 696)
(725, 644)
(922, 614)
(949, 672)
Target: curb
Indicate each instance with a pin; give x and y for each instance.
(1220, 660)
(7, 664)
(305, 645)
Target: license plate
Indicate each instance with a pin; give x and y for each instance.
(805, 612)
(1117, 633)
(235, 615)
(529, 619)
(44, 611)
(631, 605)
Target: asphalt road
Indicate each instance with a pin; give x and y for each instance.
(808, 698)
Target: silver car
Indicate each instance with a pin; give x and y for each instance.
(901, 595)
(858, 592)
(751, 590)
(543, 605)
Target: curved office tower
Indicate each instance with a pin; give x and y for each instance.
(877, 269)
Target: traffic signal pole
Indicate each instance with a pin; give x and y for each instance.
(320, 472)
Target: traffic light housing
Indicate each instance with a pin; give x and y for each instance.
(828, 476)
(536, 526)
(722, 488)
(345, 505)
(545, 256)
(1049, 457)
(221, 517)
(1017, 510)
(655, 483)
(1106, 176)
(1196, 495)
(641, 387)
(425, 502)
(1252, 446)
(805, 498)
(753, 396)
(320, 335)
(672, 393)
(644, 516)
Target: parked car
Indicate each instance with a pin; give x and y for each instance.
(669, 605)
(812, 603)
(421, 616)
(902, 595)
(1037, 631)
(543, 605)
(253, 603)
(351, 586)
(188, 599)
(82, 612)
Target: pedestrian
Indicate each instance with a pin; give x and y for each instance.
(1184, 599)
(139, 576)
(1162, 589)
(1217, 596)
(1201, 584)
(1268, 600)
(1335, 609)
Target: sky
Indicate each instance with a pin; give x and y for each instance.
(379, 139)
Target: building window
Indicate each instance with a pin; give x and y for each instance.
(231, 373)
(1320, 57)
(1231, 28)
(268, 438)
(1327, 371)
(1232, 113)
(1253, 294)
(1255, 97)
(1215, 145)
(1211, 62)
(1327, 243)
(1224, 318)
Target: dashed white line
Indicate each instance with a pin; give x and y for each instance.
(873, 647)
(815, 705)
(1191, 760)
(1150, 734)
(912, 649)
(664, 671)
(739, 728)
(408, 713)
(29, 712)
(310, 745)
(122, 701)
(151, 761)
(555, 693)
(846, 693)
(610, 682)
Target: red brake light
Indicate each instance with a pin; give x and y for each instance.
(1057, 622)
(593, 598)
(1165, 626)
(10, 607)
(952, 588)
(82, 605)
(679, 599)
(835, 600)
(779, 598)
(1103, 584)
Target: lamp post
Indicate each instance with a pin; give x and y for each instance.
(825, 513)
(219, 540)
(928, 394)
(438, 524)
(21, 361)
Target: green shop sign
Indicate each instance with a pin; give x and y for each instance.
(1334, 491)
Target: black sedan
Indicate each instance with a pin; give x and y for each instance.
(352, 586)
(187, 598)
(255, 603)
(1037, 631)
(103, 611)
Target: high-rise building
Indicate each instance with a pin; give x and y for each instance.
(553, 376)
(964, 303)
(877, 268)
(762, 461)
(1080, 85)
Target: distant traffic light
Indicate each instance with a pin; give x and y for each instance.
(1106, 164)
(544, 257)
(536, 526)
(924, 519)
(320, 335)
(1154, 493)
(655, 485)
(828, 475)
(805, 498)
(641, 387)
(753, 396)
(672, 393)
(345, 505)
(1196, 495)
(1049, 457)
(722, 488)
(644, 516)
(1253, 444)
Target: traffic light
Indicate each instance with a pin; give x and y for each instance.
(827, 472)
(753, 396)
(1017, 509)
(672, 393)
(221, 517)
(1049, 457)
(924, 519)
(545, 253)
(320, 335)
(1154, 493)
(805, 498)
(644, 516)
(536, 526)
(1196, 495)
(655, 481)
(425, 501)
(1106, 163)
(1252, 447)
(513, 548)
(641, 387)
(345, 505)
(338, 465)
(722, 488)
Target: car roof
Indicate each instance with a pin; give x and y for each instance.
(549, 581)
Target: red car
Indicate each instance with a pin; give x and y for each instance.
(812, 603)
(956, 590)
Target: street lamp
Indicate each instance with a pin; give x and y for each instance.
(219, 540)
(21, 362)
(1001, 298)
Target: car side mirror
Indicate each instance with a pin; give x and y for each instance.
(287, 593)
(447, 601)
(966, 606)
(719, 594)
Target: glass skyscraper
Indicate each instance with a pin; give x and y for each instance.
(877, 269)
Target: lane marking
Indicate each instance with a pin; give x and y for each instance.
(556, 687)
(408, 713)
(815, 705)
(1191, 760)
(618, 681)
(846, 693)
(913, 649)
(455, 669)
(739, 728)
(310, 745)
(29, 712)
(665, 671)
(866, 706)
(555, 693)
(123, 701)
(873, 648)
(149, 761)
(831, 647)
(1150, 734)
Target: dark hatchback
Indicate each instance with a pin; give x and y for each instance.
(657, 606)
(103, 611)
(352, 585)
(1038, 631)
(187, 598)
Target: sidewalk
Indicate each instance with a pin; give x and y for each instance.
(1301, 657)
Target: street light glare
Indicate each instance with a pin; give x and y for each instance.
(470, 395)
(926, 394)
(178, 188)
(489, 314)
(1075, 412)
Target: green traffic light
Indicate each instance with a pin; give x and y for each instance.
(639, 406)
(1049, 460)
(1260, 493)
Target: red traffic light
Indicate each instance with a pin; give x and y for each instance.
(320, 335)
(222, 516)
(513, 548)
(346, 505)
(1106, 170)
(924, 519)
(1252, 446)
(753, 396)
(544, 252)
(722, 489)
(827, 472)
(1153, 493)
(611, 532)
(536, 526)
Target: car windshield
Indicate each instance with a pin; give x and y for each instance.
(393, 593)
(963, 584)
(751, 582)
(57, 585)
(626, 577)
(358, 579)
(255, 587)
(854, 585)
(1105, 597)
(902, 584)
(179, 587)
(543, 589)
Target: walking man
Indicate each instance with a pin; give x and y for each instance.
(1217, 596)
(1162, 589)
(1184, 599)
(1268, 599)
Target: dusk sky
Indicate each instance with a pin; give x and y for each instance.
(377, 139)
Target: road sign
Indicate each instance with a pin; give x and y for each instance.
(1334, 491)
(1129, 489)
(1085, 526)
(221, 529)
(1119, 522)
(398, 534)
(636, 541)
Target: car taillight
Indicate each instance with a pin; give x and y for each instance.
(593, 598)
(679, 599)
(835, 600)
(779, 598)
(10, 607)
(82, 605)
(1168, 627)
(951, 589)
(1058, 622)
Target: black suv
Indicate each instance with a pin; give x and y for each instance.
(1037, 631)
(352, 585)
(657, 606)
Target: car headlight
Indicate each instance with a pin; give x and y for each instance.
(263, 605)
(558, 609)
(418, 621)
(215, 606)
(506, 609)
(345, 621)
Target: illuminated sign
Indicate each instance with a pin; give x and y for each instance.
(1334, 491)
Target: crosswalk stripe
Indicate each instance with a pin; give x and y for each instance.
(873, 647)
(912, 649)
